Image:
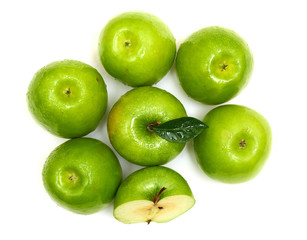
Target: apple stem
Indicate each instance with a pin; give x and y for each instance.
(150, 126)
(158, 196)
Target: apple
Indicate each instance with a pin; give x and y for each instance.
(68, 98)
(236, 145)
(156, 194)
(82, 175)
(137, 48)
(129, 123)
(214, 64)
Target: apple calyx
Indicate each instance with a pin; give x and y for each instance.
(127, 43)
(242, 143)
(73, 178)
(180, 130)
(224, 67)
(67, 92)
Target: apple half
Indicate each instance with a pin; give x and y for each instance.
(157, 194)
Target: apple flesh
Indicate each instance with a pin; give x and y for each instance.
(129, 121)
(137, 48)
(236, 145)
(214, 64)
(157, 194)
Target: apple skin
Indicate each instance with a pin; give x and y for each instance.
(82, 175)
(146, 183)
(68, 98)
(214, 64)
(236, 145)
(137, 48)
(128, 121)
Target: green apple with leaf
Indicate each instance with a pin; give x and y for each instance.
(82, 175)
(68, 98)
(130, 123)
(214, 64)
(137, 48)
(236, 145)
(157, 194)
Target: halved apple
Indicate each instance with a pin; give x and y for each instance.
(157, 194)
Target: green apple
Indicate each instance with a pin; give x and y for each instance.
(236, 145)
(129, 124)
(82, 175)
(213, 65)
(137, 48)
(68, 98)
(156, 194)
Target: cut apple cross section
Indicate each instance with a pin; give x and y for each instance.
(146, 204)
(146, 211)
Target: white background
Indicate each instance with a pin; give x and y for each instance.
(272, 206)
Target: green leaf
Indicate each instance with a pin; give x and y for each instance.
(179, 130)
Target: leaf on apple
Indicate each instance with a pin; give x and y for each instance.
(179, 130)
